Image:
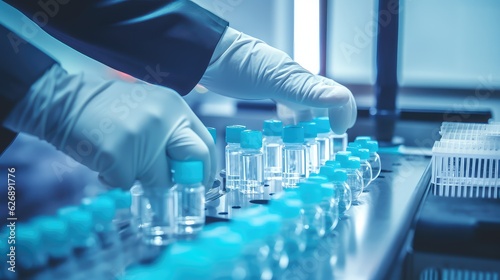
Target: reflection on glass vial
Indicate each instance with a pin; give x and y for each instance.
(189, 197)
(294, 156)
(272, 145)
(232, 155)
(252, 162)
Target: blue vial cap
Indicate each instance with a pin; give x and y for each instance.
(28, 241)
(310, 129)
(310, 192)
(363, 154)
(332, 163)
(353, 163)
(64, 211)
(339, 175)
(251, 139)
(213, 132)
(221, 242)
(188, 262)
(288, 206)
(322, 124)
(233, 133)
(187, 172)
(79, 226)
(327, 171)
(272, 224)
(354, 144)
(272, 128)
(318, 178)
(352, 149)
(123, 199)
(362, 139)
(102, 209)
(342, 156)
(55, 236)
(293, 134)
(327, 190)
(372, 146)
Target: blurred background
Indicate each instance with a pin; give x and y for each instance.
(448, 69)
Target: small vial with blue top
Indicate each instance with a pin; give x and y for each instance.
(224, 247)
(189, 197)
(354, 176)
(86, 249)
(323, 138)
(365, 167)
(252, 162)
(272, 144)
(314, 217)
(232, 155)
(374, 159)
(294, 156)
(56, 244)
(31, 258)
(312, 147)
(338, 142)
(289, 206)
(330, 201)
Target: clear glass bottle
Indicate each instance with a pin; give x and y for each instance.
(374, 159)
(339, 180)
(232, 155)
(103, 211)
(314, 217)
(31, 259)
(323, 138)
(330, 200)
(365, 166)
(224, 247)
(272, 145)
(289, 206)
(189, 197)
(86, 247)
(354, 177)
(57, 245)
(312, 146)
(256, 251)
(252, 162)
(294, 156)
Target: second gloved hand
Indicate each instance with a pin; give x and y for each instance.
(124, 131)
(247, 68)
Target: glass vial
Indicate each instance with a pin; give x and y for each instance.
(232, 155)
(323, 138)
(312, 147)
(374, 159)
(189, 197)
(294, 156)
(272, 145)
(354, 177)
(252, 162)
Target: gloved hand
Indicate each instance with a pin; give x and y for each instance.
(246, 68)
(124, 131)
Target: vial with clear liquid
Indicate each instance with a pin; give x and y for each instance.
(314, 217)
(339, 180)
(374, 159)
(330, 200)
(189, 197)
(86, 247)
(323, 139)
(354, 177)
(312, 147)
(232, 155)
(365, 166)
(252, 162)
(294, 156)
(272, 144)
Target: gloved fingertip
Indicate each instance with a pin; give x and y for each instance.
(334, 96)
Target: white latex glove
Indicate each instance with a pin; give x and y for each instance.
(247, 68)
(124, 131)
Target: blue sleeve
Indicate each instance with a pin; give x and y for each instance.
(163, 42)
(21, 64)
